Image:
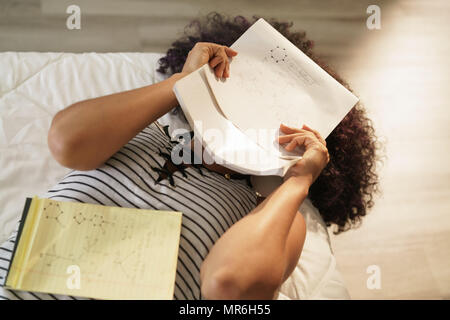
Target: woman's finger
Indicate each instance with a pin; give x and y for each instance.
(297, 141)
(309, 136)
(289, 130)
(226, 73)
(227, 65)
(214, 49)
(219, 70)
(287, 138)
(316, 133)
(230, 52)
(215, 61)
(220, 60)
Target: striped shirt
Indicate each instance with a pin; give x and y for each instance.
(210, 203)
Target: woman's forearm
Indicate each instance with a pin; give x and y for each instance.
(250, 260)
(85, 134)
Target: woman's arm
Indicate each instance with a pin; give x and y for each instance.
(259, 252)
(85, 134)
(254, 257)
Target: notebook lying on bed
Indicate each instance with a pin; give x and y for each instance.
(95, 251)
(271, 82)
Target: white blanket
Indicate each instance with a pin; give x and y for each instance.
(34, 86)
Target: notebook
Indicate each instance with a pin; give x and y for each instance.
(95, 251)
(271, 82)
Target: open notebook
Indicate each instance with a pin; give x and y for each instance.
(95, 251)
(271, 82)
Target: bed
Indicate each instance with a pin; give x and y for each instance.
(35, 86)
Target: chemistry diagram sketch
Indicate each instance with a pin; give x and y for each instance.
(110, 246)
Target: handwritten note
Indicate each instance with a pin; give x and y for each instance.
(120, 253)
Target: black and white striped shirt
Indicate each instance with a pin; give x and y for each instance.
(210, 203)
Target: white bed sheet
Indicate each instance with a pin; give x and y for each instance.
(35, 86)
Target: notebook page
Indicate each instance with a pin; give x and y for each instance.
(118, 253)
(271, 82)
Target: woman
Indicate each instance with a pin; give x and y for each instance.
(233, 244)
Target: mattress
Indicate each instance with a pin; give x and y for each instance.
(35, 86)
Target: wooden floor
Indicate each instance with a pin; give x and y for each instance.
(401, 73)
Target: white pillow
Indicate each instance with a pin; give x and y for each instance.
(316, 275)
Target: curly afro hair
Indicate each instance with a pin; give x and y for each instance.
(345, 189)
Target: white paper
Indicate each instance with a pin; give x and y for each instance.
(234, 151)
(272, 82)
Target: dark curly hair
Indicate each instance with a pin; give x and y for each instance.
(344, 191)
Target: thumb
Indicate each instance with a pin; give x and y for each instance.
(230, 52)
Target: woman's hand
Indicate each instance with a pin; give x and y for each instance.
(214, 54)
(316, 155)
